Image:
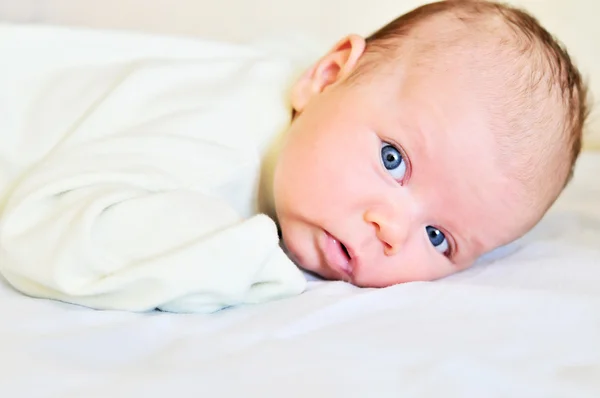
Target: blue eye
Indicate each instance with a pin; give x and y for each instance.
(437, 239)
(392, 160)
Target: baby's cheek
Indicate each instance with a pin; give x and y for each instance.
(431, 266)
(297, 242)
(409, 265)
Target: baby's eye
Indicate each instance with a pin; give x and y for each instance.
(437, 239)
(392, 160)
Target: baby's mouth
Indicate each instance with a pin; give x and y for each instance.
(336, 254)
(345, 251)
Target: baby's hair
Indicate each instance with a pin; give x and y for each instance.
(536, 65)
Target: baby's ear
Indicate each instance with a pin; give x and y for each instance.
(335, 66)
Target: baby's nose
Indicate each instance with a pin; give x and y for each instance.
(389, 231)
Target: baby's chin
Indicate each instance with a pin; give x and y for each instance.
(292, 252)
(323, 275)
(303, 261)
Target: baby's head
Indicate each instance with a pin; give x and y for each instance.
(446, 134)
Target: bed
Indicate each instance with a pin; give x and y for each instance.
(523, 322)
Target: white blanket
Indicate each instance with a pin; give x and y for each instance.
(129, 174)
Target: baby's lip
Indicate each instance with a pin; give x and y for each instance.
(335, 256)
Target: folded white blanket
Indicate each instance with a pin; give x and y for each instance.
(129, 177)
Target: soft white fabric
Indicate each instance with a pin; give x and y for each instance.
(130, 171)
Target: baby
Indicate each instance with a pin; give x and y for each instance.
(446, 134)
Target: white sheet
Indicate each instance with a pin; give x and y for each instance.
(523, 323)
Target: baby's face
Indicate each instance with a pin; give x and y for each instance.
(393, 180)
